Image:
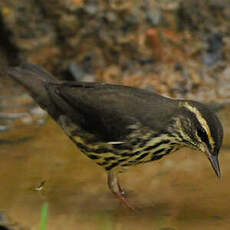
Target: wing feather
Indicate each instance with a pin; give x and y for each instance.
(109, 110)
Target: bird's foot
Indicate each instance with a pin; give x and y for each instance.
(125, 201)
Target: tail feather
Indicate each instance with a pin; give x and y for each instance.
(39, 70)
(34, 78)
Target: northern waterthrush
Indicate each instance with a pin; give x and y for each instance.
(119, 126)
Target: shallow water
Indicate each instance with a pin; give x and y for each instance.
(179, 191)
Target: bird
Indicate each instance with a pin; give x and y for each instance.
(120, 126)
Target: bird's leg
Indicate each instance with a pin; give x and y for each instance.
(116, 189)
(121, 190)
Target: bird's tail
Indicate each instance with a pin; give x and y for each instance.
(34, 78)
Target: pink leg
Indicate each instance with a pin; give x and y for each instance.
(116, 189)
(121, 190)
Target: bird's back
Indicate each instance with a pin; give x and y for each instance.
(100, 108)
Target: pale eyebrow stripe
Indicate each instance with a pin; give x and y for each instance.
(202, 121)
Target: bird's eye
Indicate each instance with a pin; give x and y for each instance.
(202, 134)
(201, 131)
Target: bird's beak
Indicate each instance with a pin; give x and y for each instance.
(213, 160)
(215, 163)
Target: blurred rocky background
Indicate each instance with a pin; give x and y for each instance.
(178, 48)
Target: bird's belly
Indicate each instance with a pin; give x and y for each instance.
(109, 157)
(102, 153)
(136, 149)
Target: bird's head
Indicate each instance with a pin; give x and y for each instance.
(201, 129)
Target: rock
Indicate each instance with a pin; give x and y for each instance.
(147, 61)
(12, 115)
(153, 16)
(4, 128)
(214, 50)
(75, 73)
(91, 8)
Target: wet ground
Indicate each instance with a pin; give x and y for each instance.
(178, 192)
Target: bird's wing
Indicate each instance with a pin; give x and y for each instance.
(108, 110)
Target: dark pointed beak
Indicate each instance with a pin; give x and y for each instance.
(215, 163)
